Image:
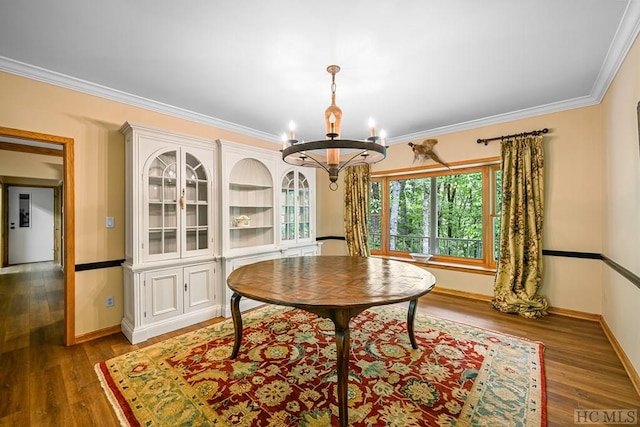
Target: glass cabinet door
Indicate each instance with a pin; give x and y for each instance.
(304, 217)
(295, 207)
(288, 207)
(196, 204)
(162, 204)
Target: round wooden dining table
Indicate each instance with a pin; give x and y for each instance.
(334, 287)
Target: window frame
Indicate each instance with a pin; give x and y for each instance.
(488, 169)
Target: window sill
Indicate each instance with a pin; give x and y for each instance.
(445, 265)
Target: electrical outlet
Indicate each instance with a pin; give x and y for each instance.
(109, 222)
(109, 302)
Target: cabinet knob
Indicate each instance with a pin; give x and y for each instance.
(185, 287)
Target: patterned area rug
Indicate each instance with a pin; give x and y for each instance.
(285, 375)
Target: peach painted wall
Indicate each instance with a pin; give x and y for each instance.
(329, 215)
(93, 123)
(19, 164)
(573, 202)
(621, 162)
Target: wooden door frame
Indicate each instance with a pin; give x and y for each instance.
(68, 235)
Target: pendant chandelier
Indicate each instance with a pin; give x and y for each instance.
(333, 154)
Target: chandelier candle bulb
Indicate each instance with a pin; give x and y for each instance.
(332, 123)
(372, 126)
(292, 130)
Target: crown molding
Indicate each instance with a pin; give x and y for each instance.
(622, 41)
(58, 79)
(583, 101)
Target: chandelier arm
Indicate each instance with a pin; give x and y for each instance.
(318, 163)
(348, 162)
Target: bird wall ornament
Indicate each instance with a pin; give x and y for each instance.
(424, 151)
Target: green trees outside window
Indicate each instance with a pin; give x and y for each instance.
(449, 214)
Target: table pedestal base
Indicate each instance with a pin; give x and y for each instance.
(340, 318)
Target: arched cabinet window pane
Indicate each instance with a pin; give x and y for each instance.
(288, 207)
(196, 201)
(295, 208)
(162, 210)
(304, 207)
(178, 205)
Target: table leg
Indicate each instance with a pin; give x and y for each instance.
(411, 315)
(341, 322)
(237, 323)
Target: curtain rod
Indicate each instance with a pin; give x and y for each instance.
(533, 132)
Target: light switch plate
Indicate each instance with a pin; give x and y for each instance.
(110, 222)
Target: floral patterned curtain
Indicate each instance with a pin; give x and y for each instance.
(519, 274)
(356, 209)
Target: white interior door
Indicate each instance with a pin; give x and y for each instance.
(30, 224)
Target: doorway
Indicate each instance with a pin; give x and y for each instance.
(31, 141)
(31, 224)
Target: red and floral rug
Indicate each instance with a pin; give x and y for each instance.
(285, 375)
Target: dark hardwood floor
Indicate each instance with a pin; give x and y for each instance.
(43, 383)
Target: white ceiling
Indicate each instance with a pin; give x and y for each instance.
(419, 67)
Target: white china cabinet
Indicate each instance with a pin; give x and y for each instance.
(197, 209)
(171, 232)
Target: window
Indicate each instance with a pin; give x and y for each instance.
(24, 205)
(451, 214)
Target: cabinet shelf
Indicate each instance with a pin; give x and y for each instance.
(245, 186)
(158, 179)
